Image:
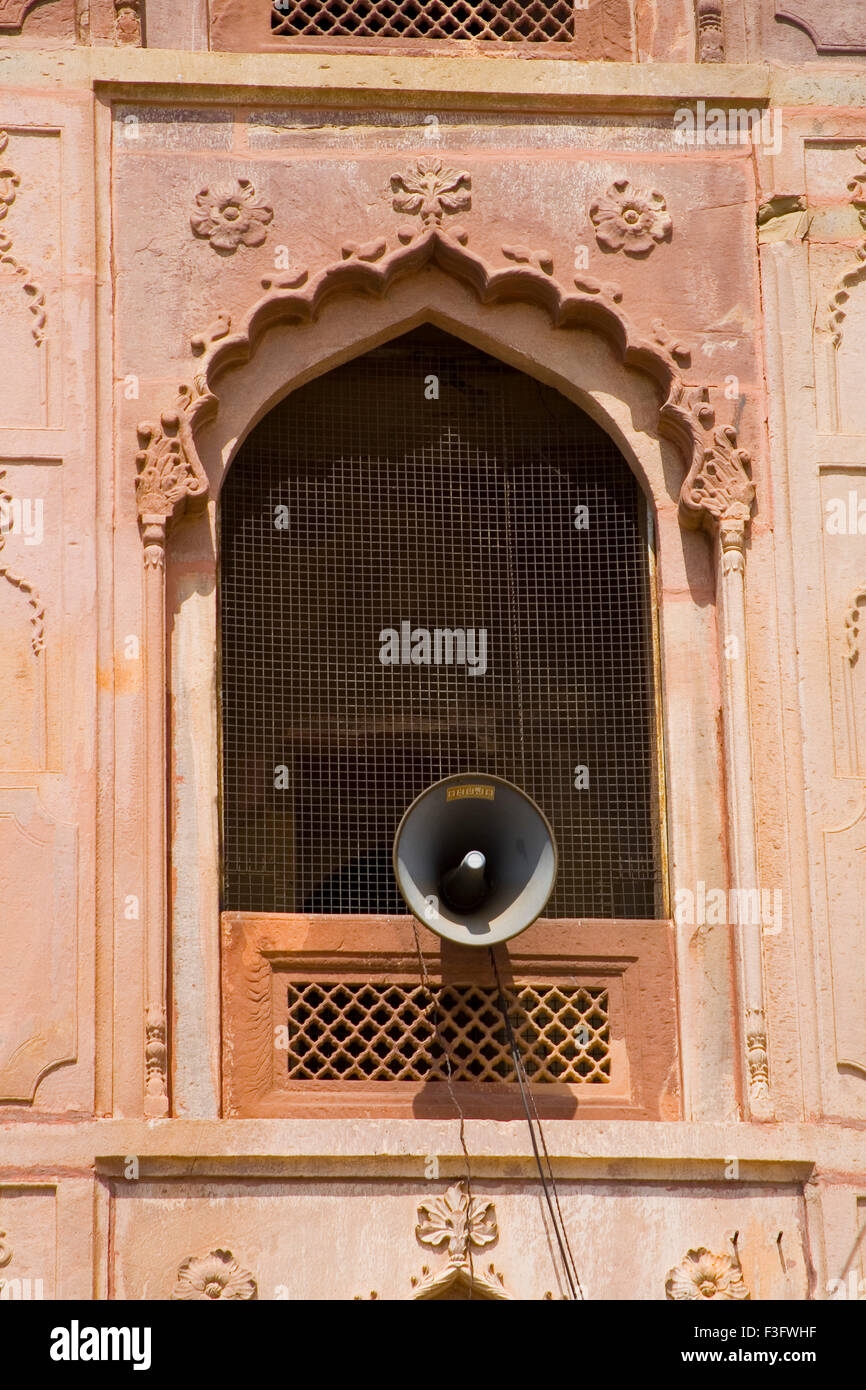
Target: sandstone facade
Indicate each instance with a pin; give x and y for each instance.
(663, 216)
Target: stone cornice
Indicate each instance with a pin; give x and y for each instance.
(362, 80)
(615, 1149)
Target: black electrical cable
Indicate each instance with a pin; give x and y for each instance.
(556, 1217)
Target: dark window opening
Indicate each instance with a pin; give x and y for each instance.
(358, 505)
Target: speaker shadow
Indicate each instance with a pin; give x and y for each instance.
(474, 1073)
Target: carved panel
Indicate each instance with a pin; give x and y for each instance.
(264, 958)
(845, 857)
(14, 12)
(711, 31)
(843, 525)
(38, 875)
(203, 1232)
(28, 1243)
(594, 29)
(30, 591)
(30, 181)
(834, 26)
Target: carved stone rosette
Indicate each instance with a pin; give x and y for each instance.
(216, 1275)
(703, 1275)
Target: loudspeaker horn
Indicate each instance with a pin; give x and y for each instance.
(475, 859)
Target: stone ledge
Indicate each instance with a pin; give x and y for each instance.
(622, 1150)
(361, 80)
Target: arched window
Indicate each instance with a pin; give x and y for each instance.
(433, 564)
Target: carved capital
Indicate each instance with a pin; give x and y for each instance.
(168, 470)
(719, 491)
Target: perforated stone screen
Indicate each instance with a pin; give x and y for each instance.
(516, 21)
(394, 1032)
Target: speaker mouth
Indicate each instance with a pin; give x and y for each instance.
(475, 859)
(467, 886)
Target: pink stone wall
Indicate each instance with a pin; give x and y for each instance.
(698, 300)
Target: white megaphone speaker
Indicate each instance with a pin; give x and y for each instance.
(475, 859)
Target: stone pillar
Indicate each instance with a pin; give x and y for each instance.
(168, 472)
(719, 493)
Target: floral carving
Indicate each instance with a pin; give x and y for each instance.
(703, 1275)
(720, 487)
(168, 467)
(462, 1223)
(37, 607)
(524, 255)
(230, 216)
(215, 1275)
(457, 1218)
(9, 183)
(681, 352)
(853, 623)
(431, 191)
(852, 277)
(9, 180)
(627, 219)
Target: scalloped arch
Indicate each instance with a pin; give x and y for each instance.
(169, 469)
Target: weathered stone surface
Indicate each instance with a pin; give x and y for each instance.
(138, 351)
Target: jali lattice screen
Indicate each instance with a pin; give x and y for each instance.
(516, 21)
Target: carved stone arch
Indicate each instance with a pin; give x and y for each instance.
(684, 413)
(301, 327)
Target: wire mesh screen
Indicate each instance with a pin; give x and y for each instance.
(520, 21)
(431, 564)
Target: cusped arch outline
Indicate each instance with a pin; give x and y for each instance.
(717, 489)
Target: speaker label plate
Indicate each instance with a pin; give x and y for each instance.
(486, 793)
